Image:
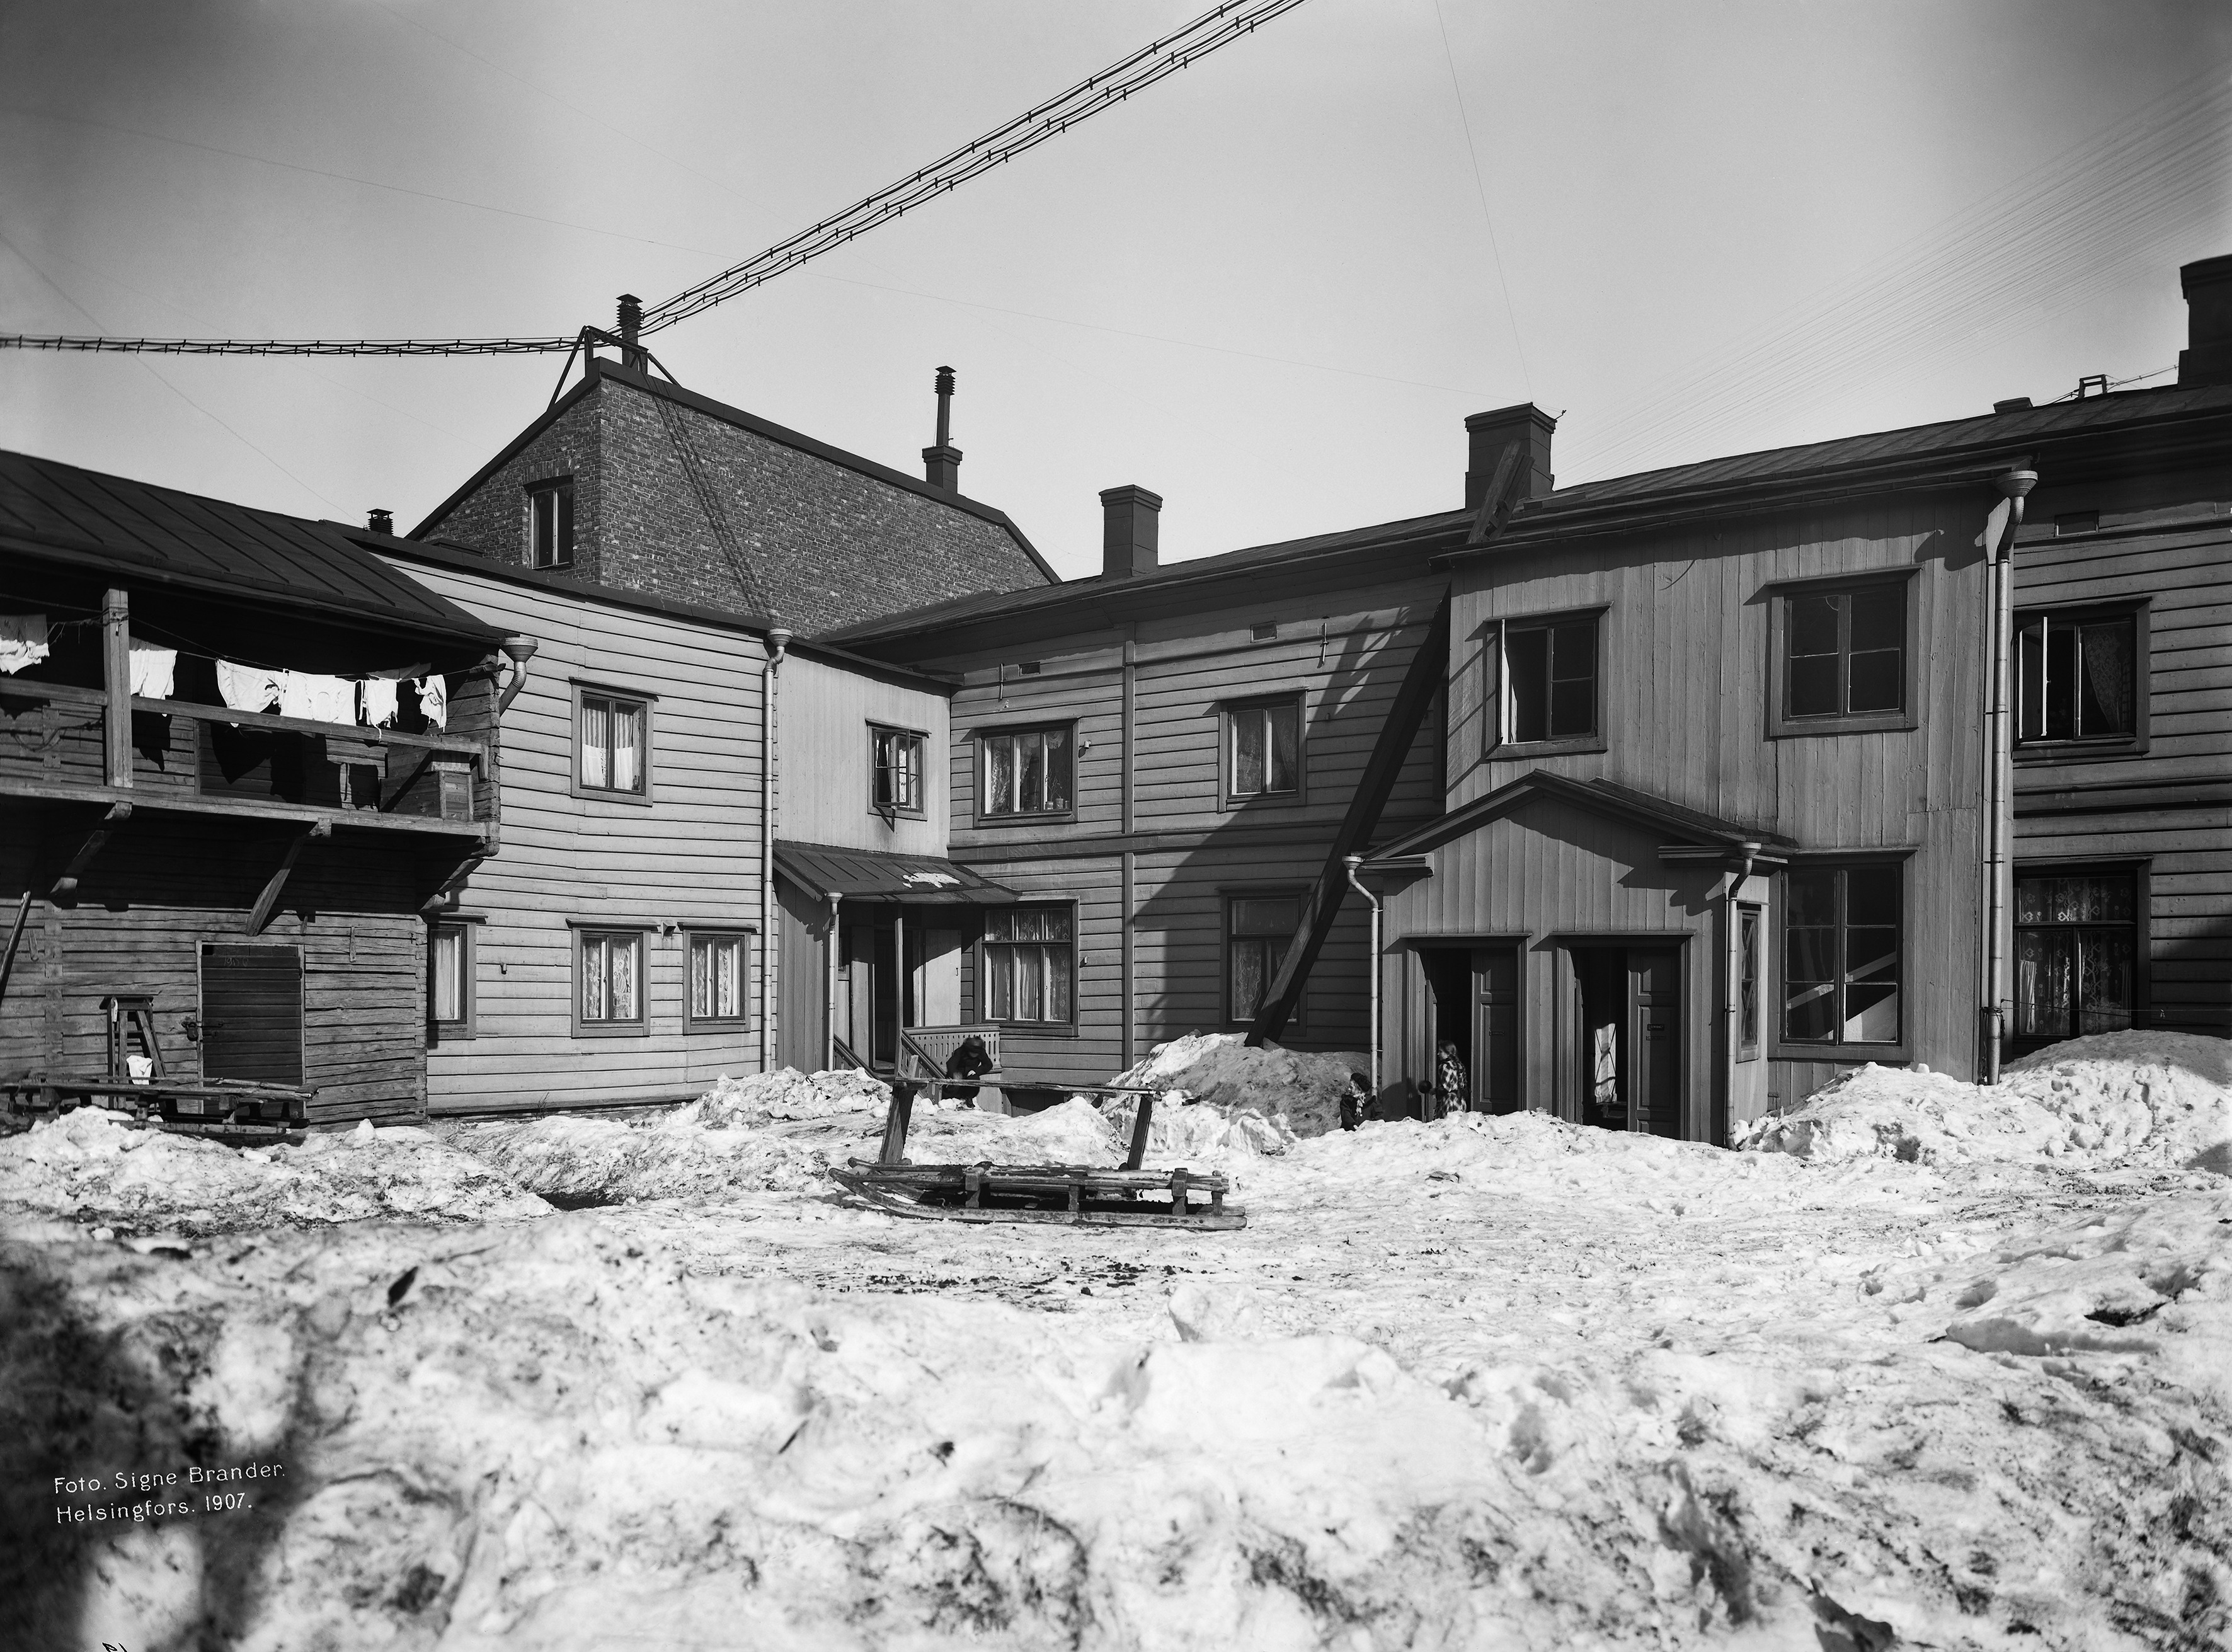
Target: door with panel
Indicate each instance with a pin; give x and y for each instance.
(1654, 1042)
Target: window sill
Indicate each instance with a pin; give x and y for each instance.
(717, 1024)
(1797, 728)
(612, 1029)
(1851, 1055)
(448, 1032)
(1519, 751)
(1265, 800)
(2047, 751)
(1031, 1029)
(599, 795)
(1037, 817)
(888, 815)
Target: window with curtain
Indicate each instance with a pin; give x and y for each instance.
(449, 999)
(610, 966)
(613, 740)
(2077, 952)
(1845, 652)
(1031, 964)
(1263, 749)
(716, 977)
(1028, 771)
(1841, 959)
(1257, 930)
(1748, 962)
(1549, 682)
(896, 765)
(2078, 677)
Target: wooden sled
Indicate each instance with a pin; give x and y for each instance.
(1078, 1195)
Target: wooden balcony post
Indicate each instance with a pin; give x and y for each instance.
(116, 677)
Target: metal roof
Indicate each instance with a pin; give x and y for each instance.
(823, 870)
(144, 535)
(1600, 797)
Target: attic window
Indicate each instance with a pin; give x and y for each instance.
(1029, 668)
(550, 522)
(1264, 632)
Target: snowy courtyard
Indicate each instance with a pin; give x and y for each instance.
(1923, 1366)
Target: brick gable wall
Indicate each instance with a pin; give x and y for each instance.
(809, 541)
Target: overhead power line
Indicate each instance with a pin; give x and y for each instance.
(1219, 27)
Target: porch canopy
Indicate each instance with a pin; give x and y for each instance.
(822, 869)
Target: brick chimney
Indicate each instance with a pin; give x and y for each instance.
(941, 464)
(1131, 535)
(380, 520)
(2207, 358)
(1526, 427)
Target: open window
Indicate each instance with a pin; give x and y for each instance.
(2080, 678)
(550, 522)
(896, 784)
(1545, 688)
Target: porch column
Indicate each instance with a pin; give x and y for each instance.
(116, 670)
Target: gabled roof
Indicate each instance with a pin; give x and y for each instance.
(599, 369)
(143, 535)
(1100, 589)
(1598, 797)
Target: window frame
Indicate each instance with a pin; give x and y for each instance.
(744, 936)
(1751, 971)
(981, 981)
(1780, 725)
(2140, 611)
(582, 691)
(978, 740)
(1227, 713)
(583, 932)
(1774, 976)
(2140, 870)
(560, 490)
(921, 807)
(464, 1028)
(1228, 897)
(1497, 744)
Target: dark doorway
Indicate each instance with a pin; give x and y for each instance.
(251, 1019)
(1472, 1009)
(1628, 1015)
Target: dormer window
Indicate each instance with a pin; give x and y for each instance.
(550, 522)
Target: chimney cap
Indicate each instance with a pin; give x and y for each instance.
(1510, 415)
(2013, 404)
(1130, 491)
(379, 521)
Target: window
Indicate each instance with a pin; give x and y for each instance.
(1748, 928)
(449, 989)
(2078, 677)
(717, 977)
(610, 974)
(615, 743)
(1257, 928)
(1264, 749)
(2077, 952)
(895, 786)
(1029, 963)
(1840, 957)
(1544, 686)
(1844, 654)
(550, 522)
(1028, 771)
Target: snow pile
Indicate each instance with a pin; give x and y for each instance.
(1218, 1068)
(1075, 1132)
(91, 1166)
(2153, 1281)
(2135, 1099)
(779, 1131)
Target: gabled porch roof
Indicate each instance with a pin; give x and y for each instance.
(1693, 834)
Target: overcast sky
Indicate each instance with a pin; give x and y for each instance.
(1268, 288)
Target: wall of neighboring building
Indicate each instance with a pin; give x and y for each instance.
(825, 711)
(1153, 850)
(687, 858)
(2161, 804)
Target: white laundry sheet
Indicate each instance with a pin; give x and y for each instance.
(434, 700)
(319, 699)
(247, 688)
(23, 641)
(154, 670)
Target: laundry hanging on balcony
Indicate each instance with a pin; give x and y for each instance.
(316, 699)
(23, 641)
(154, 670)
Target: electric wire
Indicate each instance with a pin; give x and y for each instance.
(1223, 23)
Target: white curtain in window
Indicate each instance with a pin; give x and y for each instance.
(628, 748)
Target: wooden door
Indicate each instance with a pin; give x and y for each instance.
(251, 1017)
(1653, 1065)
(1495, 1031)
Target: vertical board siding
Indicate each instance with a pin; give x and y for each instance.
(821, 740)
(689, 858)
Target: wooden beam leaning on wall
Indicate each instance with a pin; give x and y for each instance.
(1322, 905)
(267, 902)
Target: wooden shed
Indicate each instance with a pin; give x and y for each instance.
(233, 893)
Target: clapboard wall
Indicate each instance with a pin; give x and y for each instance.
(2162, 804)
(686, 857)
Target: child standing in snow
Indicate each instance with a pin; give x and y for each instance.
(1356, 1102)
(1455, 1093)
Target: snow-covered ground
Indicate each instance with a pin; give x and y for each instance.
(1483, 1382)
